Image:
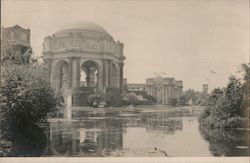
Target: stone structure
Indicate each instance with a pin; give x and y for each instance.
(205, 88)
(164, 89)
(85, 59)
(136, 87)
(15, 45)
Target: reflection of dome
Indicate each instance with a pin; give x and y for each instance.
(81, 27)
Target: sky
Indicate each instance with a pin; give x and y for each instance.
(187, 40)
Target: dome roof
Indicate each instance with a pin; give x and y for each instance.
(82, 26)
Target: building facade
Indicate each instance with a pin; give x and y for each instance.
(15, 45)
(164, 90)
(84, 59)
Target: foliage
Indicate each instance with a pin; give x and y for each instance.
(138, 98)
(6, 148)
(151, 100)
(197, 98)
(227, 107)
(130, 99)
(183, 100)
(224, 142)
(173, 102)
(26, 101)
(191, 95)
(92, 98)
(17, 54)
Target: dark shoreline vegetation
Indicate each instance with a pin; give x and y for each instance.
(228, 108)
(228, 142)
(26, 102)
(224, 123)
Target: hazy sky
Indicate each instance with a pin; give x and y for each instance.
(185, 39)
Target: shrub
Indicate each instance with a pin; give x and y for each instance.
(92, 98)
(227, 107)
(173, 102)
(150, 99)
(26, 101)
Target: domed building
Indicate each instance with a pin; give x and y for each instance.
(86, 60)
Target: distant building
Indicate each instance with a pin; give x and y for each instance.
(205, 88)
(164, 90)
(15, 45)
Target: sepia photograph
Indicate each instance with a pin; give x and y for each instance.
(125, 81)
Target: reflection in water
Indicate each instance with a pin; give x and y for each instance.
(30, 141)
(72, 139)
(95, 135)
(115, 132)
(226, 143)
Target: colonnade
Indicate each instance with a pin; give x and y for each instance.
(65, 73)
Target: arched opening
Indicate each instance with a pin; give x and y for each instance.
(114, 76)
(89, 74)
(61, 76)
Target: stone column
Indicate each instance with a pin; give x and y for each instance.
(70, 75)
(104, 73)
(75, 72)
(109, 73)
(54, 77)
(164, 95)
(168, 93)
(121, 76)
(172, 91)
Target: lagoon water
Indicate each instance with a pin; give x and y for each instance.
(141, 133)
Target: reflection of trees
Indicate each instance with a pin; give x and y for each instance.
(165, 126)
(223, 143)
(162, 122)
(60, 139)
(30, 141)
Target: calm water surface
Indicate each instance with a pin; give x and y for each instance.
(141, 132)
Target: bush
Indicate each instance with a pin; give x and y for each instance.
(150, 99)
(183, 100)
(92, 98)
(173, 102)
(227, 107)
(26, 101)
(130, 99)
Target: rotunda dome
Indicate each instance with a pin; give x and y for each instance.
(81, 27)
